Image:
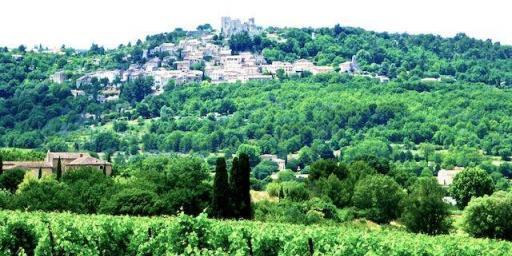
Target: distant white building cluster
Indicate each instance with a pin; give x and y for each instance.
(199, 57)
(232, 27)
(296, 68)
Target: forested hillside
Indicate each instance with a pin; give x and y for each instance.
(35, 110)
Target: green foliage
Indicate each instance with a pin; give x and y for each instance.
(252, 151)
(131, 202)
(58, 169)
(11, 179)
(20, 237)
(471, 182)
(424, 210)
(15, 154)
(45, 195)
(69, 234)
(489, 216)
(378, 198)
(375, 148)
(221, 195)
(324, 168)
(6, 199)
(88, 187)
(290, 190)
(120, 126)
(264, 169)
(240, 184)
(286, 175)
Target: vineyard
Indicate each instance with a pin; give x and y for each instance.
(70, 234)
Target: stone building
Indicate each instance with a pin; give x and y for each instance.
(68, 160)
(232, 27)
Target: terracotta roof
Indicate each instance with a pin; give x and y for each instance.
(88, 160)
(67, 155)
(19, 164)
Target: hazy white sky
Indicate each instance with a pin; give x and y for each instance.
(78, 23)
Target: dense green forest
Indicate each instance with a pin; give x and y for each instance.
(36, 112)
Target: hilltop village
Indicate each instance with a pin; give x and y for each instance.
(201, 56)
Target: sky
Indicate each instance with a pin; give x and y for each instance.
(79, 23)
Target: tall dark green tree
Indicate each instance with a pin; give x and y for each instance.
(234, 181)
(221, 200)
(1, 165)
(58, 170)
(39, 173)
(245, 187)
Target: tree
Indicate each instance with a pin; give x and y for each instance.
(424, 209)
(427, 150)
(240, 187)
(58, 169)
(132, 201)
(11, 179)
(265, 169)
(245, 187)
(472, 182)
(1, 165)
(378, 198)
(241, 42)
(88, 187)
(252, 151)
(489, 216)
(370, 147)
(205, 27)
(234, 180)
(324, 168)
(221, 197)
(45, 195)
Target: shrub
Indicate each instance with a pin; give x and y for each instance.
(19, 236)
(378, 198)
(286, 175)
(472, 182)
(274, 189)
(46, 195)
(5, 199)
(11, 179)
(294, 191)
(424, 209)
(131, 201)
(489, 216)
(264, 169)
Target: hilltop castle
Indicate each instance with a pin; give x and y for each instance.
(232, 27)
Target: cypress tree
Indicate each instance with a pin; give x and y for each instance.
(245, 186)
(59, 169)
(221, 202)
(39, 173)
(1, 165)
(234, 186)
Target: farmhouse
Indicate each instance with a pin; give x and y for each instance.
(68, 161)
